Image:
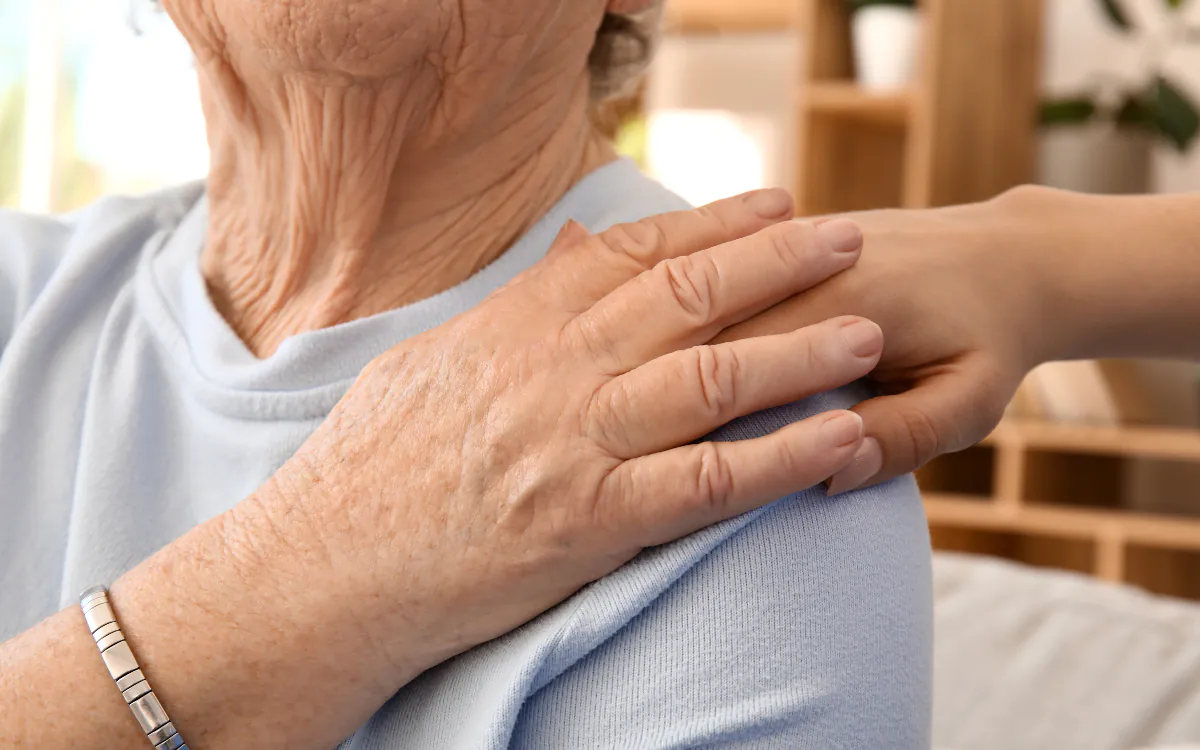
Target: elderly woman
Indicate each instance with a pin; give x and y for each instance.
(337, 424)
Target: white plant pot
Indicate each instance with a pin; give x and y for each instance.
(886, 39)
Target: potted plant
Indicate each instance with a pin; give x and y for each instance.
(1099, 138)
(885, 37)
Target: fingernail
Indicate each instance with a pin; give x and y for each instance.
(862, 337)
(867, 462)
(571, 232)
(841, 430)
(771, 203)
(842, 235)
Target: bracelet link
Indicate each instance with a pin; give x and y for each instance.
(162, 733)
(119, 660)
(171, 743)
(130, 680)
(123, 667)
(138, 689)
(149, 712)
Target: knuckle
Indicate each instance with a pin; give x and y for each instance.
(810, 353)
(717, 219)
(614, 495)
(789, 459)
(718, 369)
(792, 242)
(621, 513)
(607, 413)
(922, 435)
(691, 283)
(986, 399)
(714, 479)
(991, 411)
(587, 337)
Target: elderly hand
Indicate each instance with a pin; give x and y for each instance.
(473, 477)
(482, 472)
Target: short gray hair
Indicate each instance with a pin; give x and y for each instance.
(622, 51)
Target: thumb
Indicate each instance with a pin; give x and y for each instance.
(947, 412)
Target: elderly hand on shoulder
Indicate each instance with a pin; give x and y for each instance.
(560, 445)
(477, 474)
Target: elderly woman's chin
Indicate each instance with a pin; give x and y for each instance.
(378, 38)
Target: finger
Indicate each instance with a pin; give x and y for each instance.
(570, 236)
(576, 274)
(684, 395)
(666, 495)
(835, 297)
(945, 413)
(685, 301)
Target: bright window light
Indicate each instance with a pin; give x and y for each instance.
(704, 155)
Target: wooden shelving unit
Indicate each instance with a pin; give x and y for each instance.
(1133, 440)
(1050, 494)
(962, 133)
(719, 16)
(845, 99)
(1044, 494)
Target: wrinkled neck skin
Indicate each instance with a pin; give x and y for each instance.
(350, 178)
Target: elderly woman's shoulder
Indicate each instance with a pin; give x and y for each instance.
(23, 233)
(103, 237)
(33, 245)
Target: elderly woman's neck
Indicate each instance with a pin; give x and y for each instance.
(333, 202)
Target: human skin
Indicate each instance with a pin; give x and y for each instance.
(539, 456)
(970, 298)
(367, 156)
(371, 154)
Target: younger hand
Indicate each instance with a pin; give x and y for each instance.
(959, 308)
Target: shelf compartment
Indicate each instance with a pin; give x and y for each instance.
(1170, 443)
(1075, 480)
(851, 165)
(1140, 529)
(968, 474)
(1163, 571)
(1045, 551)
(1130, 484)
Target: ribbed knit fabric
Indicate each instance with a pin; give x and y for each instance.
(130, 412)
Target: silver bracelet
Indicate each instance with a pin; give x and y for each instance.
(124, 670)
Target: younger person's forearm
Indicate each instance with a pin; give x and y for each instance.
(1120, 275)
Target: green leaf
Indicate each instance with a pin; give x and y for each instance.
(1175, 4)
(1116, 14)
(1136, 112)
(1072, 111)
(1175, 115)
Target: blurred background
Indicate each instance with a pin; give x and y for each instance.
(851, 104)
(96, 97)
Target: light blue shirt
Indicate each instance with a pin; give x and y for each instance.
(130, 412)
